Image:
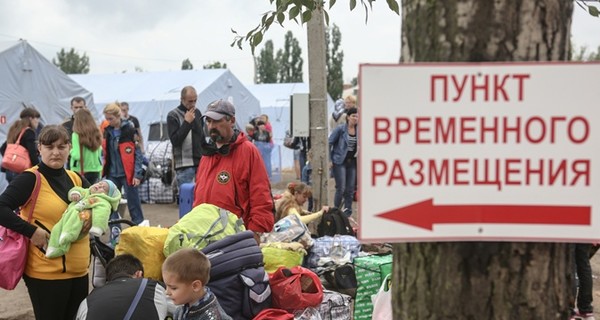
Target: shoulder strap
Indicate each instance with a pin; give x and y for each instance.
(21, 135)
(135, 301)
(34, 194)
(223, 219)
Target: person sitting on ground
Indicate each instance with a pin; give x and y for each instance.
(186, 273)
(124, 275)
(292, 202)
(95, 203)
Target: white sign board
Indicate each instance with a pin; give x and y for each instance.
(494, 152)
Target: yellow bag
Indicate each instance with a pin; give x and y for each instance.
(146, 244)
(275, 257)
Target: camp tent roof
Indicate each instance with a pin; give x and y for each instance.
(30, 80)
(151, 95)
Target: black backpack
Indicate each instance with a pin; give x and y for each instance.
(334, 222)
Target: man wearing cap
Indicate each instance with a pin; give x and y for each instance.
(232, 174)
(186, 134)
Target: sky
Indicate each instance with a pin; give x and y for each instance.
(122, 36)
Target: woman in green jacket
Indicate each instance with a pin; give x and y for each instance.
(86, 153)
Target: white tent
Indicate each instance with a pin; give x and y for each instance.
(275, 102)
(151, 95)
(30, 80)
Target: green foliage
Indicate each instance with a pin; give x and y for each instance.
(592, 10)
(581, 54)
(334, 58)
(285, 67)
(266, 65)
(187, 65)
(71, 62)
(289, 60)
(215, 65)
(294, 9)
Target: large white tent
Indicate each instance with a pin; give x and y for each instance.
(275, 102)
(151, 95)
(30, 80)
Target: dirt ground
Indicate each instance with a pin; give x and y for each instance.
(15, 304)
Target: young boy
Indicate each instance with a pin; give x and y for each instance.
(185, 274)
(96, 203)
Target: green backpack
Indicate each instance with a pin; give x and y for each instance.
(203, 225)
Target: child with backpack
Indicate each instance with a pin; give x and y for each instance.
(186, 273)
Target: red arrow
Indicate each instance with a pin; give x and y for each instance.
(425, 214)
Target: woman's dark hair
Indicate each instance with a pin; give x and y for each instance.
(52, 133)
(351, 111)
(29, 113)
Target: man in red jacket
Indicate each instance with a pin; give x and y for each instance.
(231, 174)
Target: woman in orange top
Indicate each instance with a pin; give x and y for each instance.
(56, 286)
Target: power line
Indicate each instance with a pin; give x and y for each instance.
(202, 60)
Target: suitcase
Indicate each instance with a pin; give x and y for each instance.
(186, 198)
(237, 276)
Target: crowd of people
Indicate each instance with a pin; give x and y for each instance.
(78, 153)
(230, 168)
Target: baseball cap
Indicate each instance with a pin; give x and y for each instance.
(217, 109)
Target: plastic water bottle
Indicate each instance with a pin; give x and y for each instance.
(115, 234)
(282, 225)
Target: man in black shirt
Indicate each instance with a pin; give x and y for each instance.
(77, 103)
(136, 124)
(124, 275)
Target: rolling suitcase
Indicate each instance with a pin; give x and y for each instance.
(237, 276)
(186, 198)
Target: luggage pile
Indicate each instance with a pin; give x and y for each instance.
(158, 187)
(328, 276)
(290, 275)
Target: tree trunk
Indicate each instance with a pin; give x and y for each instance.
(318, 106)
(483, 280)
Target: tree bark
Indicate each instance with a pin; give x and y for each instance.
(318, 107)
(483, 280)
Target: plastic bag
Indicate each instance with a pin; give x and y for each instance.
(382, 301)
(295, 288)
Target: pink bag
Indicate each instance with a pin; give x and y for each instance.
(16, 157)
(13, 248)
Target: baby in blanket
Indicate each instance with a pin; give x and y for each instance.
(99, 200)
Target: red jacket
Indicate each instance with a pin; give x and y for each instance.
(126, 150)
(237, 181)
